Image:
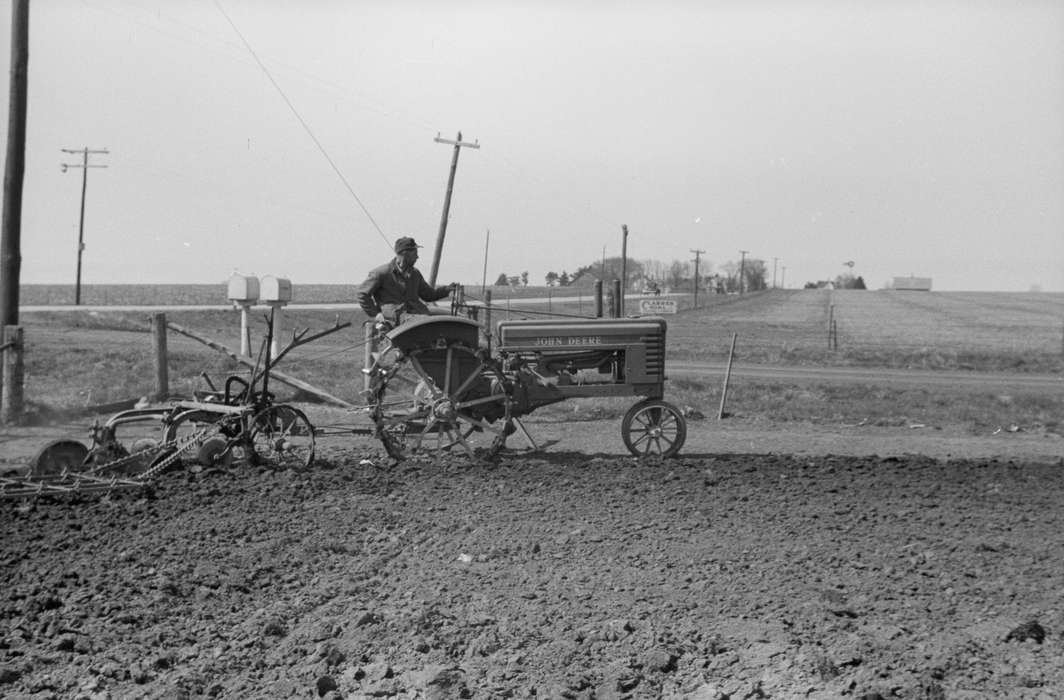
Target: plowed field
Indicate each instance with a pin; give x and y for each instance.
(562, 575)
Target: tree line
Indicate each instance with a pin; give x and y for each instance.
(750, 275)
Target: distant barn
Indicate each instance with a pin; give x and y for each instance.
(914, 284)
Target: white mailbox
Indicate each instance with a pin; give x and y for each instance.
(243, 289)
(275, 290)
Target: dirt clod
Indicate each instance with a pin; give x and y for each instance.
(1028, 630)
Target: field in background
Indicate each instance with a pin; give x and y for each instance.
(79, 358)
(940, 330)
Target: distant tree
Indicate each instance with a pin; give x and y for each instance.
(605, 270)
(563, 279)
(524, 278)
(849, 282)
(677, 273)
(754, 274)
(580, 272)
(552, 278)
(501, 280)
(730, 279)
(513, 280)
(654, 269)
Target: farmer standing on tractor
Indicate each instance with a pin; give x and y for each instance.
(397, 289)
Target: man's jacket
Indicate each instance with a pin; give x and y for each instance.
(394, 293)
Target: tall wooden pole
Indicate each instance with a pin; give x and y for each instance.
(10, 244)
(458, 143)
(698, 256)
(484, 276)
(11, 234)
(742, 271)
(81, 224)
(81, 220)
(624, 268)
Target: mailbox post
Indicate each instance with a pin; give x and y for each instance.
(276, 292)
(244, 292)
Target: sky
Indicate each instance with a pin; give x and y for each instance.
(297, 138)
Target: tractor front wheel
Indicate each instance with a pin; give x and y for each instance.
(654, 428)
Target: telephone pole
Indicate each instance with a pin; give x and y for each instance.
(774, 261)
(742, 271)
(698, 256)
(84, 165)
(457, 143)
(624, 268)
(484, 277)
(14, 167)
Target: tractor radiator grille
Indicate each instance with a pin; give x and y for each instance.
(655, 353)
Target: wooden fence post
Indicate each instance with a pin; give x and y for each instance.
(162, 360)
(831, 322)
(727, 378)
(11, 404)
(598, 298)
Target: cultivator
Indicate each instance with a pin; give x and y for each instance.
(432, 386)
(68, 468)
(219, 428)
(124, 455)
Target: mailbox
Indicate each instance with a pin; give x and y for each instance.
(276, 290)
(243, 289)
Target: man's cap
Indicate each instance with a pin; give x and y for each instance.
(406, 243)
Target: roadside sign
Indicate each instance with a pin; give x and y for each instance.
(656, 306)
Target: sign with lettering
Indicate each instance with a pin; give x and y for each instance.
(555, 341)
(655, 306)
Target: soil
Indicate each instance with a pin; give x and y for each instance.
(760, 563)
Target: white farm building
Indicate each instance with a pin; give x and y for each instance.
(915, 284)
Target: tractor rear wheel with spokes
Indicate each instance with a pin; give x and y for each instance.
(438, 400)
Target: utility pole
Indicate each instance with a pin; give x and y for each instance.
(698, 256)
(624, 268)
(774, 261)
(783, 277)
(484, 276)
(15, 169)
(742, 271)
(457, 143)
(84, 165)
(11, 338)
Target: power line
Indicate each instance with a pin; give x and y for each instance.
(306, 127)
